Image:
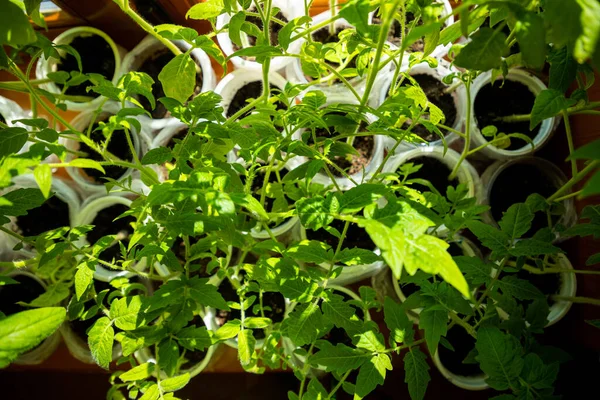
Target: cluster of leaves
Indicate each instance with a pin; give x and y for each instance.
(196, 233)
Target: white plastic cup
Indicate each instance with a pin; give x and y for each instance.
(459, 95)
(362, 176)
(295, 74)
(352, 273)
(86, 217)
(489, 176)
(79, 347)
(45, 349)
(473, 383)
(237, 79)
(145, 49)
(290, 10)
(47, 65)
(146, 356)
(546, 128)
(81, 122)
(60, 188)
(11, 111)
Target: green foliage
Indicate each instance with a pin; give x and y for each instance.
(207, 262)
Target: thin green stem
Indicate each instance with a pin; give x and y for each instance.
(339, 384)
(576, 299)
(575, 180)
(465, 151)
(570, 141)
(16, 235)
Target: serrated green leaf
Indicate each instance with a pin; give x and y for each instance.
(516, 221)
(168, 356)
(100, 341)
(533, 247)
(499, 356)
(361, 196)
(531, 36)
(138, 373)
(125, 312)
(206, 10)
(175, 383)
(53, 295)
(476, 271)
(484, 52)
(416, 373)
(490, 237)
(339, 358)
(178, 78)
(563, 69)
(435, 324)
(20, 201)
(372, 373)
(193, 338)
(586, 43)
(227, 331)
(246, 345)
(356, 256)
(25, 330)
(316, 212)
(519, 288)
(151, 393)
(206, 294)
(85, 163)
(548, 103)
(12, 140)
(304, 324)
(311, 251)
(397, 322)
(15, 29)
(157, 156)
(43, 177)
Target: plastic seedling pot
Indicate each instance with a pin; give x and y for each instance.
(449, 363)
(453, 105)
(463, 245)
(374, 161)
(295, 74)
(93, 184)
(395, 35)
(141, 58)
(300, 359)
(515, 97)
(147, 355)
(71, 37)
(352, 273)
(289, 11)
(510, 182)
(101, 210)
(28, 289)
(56, 212)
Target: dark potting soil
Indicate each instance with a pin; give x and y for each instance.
(197, 356)
(53, 214)
(463, 343)
(105, 224)
(514, 184)
(152, 66)
(274, 29)
(324, 36)
(339, 335)
(2, 119)
(355, 236)
(433, 170)
(497, 101)
(395, 34)
(27, 290)
(96, 57)
(273, 305)
(249, 91)
(117, 145)
(455, 250)
(434, 90)
(350, 163)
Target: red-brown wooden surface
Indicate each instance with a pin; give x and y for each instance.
(62, 376)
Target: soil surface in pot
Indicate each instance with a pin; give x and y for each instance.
(463, 343)
(195, 357)
(355, 236)
(514, 184)
(27, 290)
(497, 101)
(152, 66)
(251, 90)
(105, 224)
(274, 29)
(350, 163)
(96, 57)
(53, 214)
(434, 90)
(273, 307)
(117, 145)
(433, 170)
